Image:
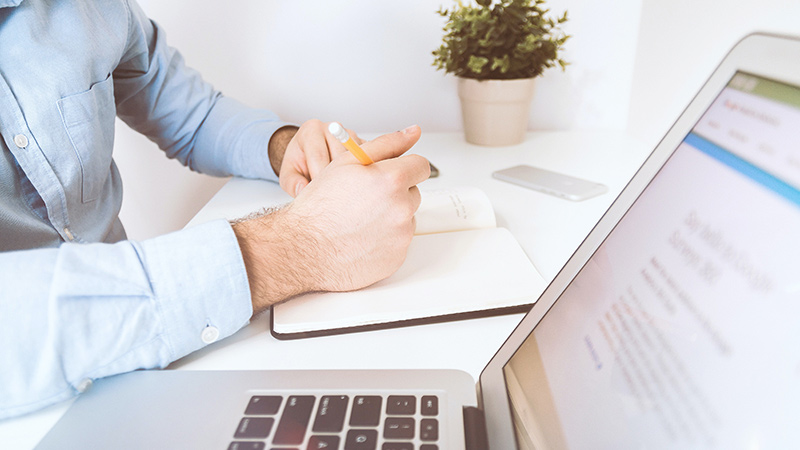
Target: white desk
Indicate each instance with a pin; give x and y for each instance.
(548, 228)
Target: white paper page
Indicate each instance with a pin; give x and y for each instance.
(461, 208)
(443, 274)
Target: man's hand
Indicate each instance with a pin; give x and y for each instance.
(310, 150)
(347, 229)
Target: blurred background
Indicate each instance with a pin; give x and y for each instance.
(367, 63)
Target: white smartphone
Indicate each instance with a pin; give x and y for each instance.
(552, 183)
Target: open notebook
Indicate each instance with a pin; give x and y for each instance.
(459, 257)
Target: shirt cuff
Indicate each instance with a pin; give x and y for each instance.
(199, 277)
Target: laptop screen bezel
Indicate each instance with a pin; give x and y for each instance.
(764, 55)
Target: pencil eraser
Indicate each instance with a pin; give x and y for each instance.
(338, 131)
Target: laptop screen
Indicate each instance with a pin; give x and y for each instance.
(682, 329)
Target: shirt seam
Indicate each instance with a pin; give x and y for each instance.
(129, 13)
(21, 408)
(97, 372)
(94, 374)
(159, 308)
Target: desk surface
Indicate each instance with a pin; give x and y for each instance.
(548, 228)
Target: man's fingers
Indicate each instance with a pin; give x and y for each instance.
(408, 170)
(355, 137)
(416, 198)
(392, 145)
(293, 182)
(317, 155)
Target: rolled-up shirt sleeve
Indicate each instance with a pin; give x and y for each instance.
(94, 310)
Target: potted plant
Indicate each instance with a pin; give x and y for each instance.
(496, 49)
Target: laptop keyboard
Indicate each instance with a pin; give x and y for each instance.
(396, 422)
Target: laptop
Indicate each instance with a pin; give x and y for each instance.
(675, 324)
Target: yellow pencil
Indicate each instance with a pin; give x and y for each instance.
(338, 131)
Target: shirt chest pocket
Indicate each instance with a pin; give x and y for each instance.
(89, 121)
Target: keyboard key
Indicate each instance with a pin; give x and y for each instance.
(430, 405)
(247, 446)
(294, 420)
(397, 446)
(361, 440)
(330, 414)
(366, 411)
(323, 442)
(405, 405)
(428, 447)
(398, 428)
(429, 429)
(254, 427)
(263, 405)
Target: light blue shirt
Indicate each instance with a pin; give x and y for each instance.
(77, 300)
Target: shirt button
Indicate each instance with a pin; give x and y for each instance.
(209, 334)
(21, 140)
(84, 385)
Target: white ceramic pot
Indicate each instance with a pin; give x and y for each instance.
(495, 112)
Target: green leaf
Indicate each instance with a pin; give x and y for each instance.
(477, 63)
(504, 64)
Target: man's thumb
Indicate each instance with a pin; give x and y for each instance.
(392, 145)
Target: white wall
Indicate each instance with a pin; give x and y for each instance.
(680, 43)
(366, 63)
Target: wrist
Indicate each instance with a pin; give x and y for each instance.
(277, 146)
(277, 256)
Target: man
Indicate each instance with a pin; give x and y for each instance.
(77, 300)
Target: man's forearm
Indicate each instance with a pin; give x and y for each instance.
(277, 146)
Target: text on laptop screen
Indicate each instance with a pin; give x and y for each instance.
(682, 329)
